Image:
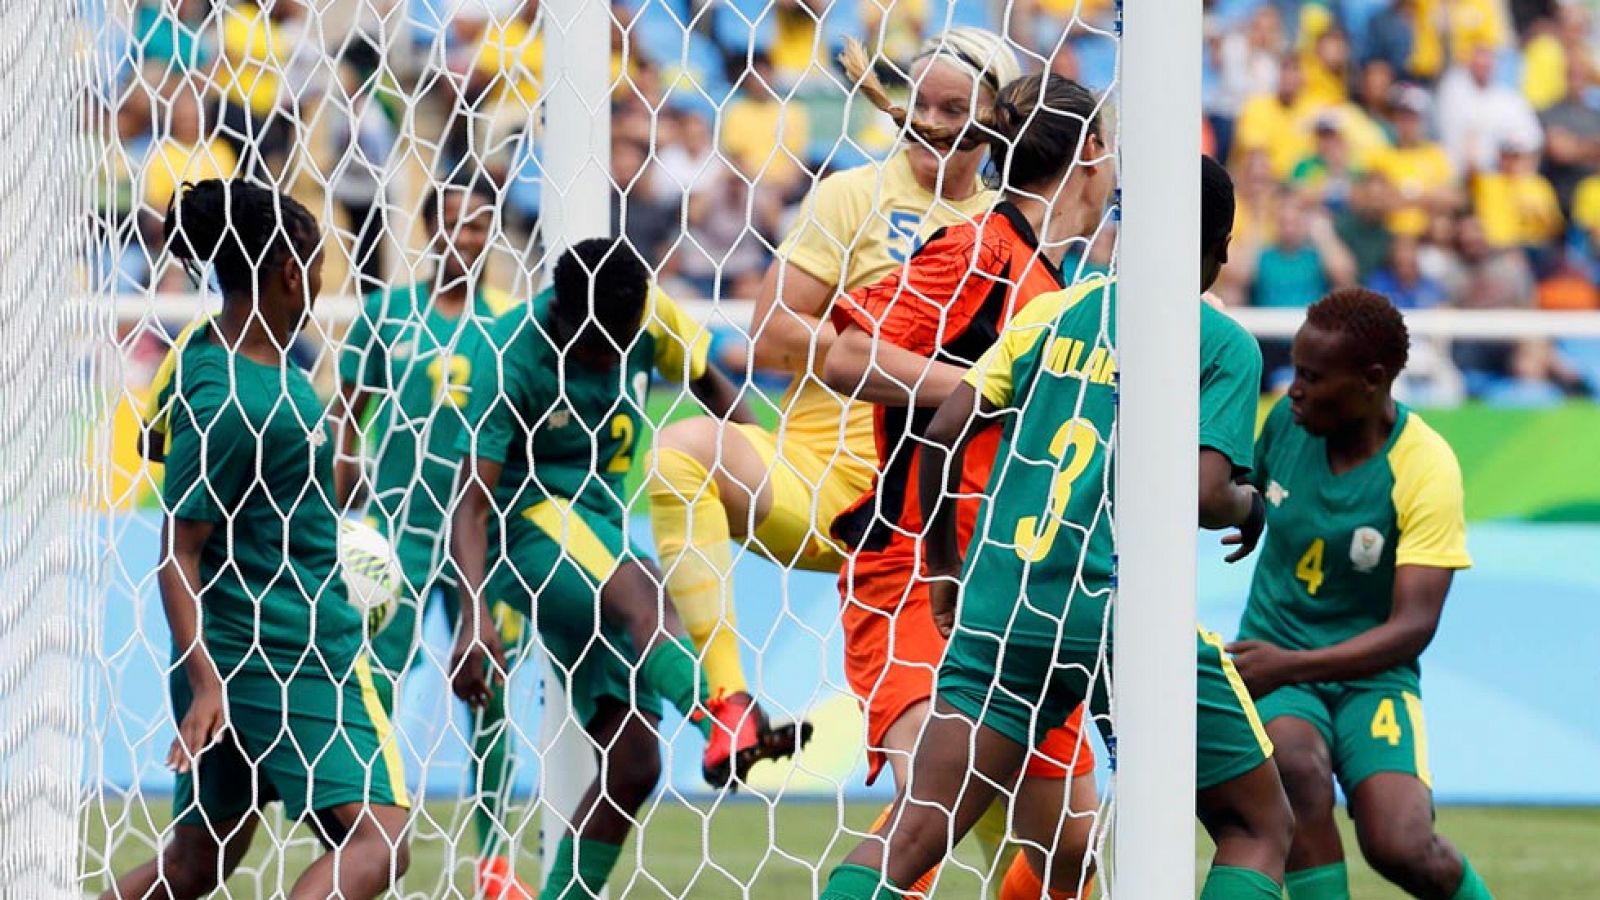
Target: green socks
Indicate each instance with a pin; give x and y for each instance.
(852, 882)
(1233, 883)
(672, 669)
(1330, 882)
(1472, 887)
(580, 870)
(494, 765)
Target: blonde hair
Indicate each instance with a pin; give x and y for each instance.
(1033, 125)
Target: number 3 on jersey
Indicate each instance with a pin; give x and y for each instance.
(1078, 438)
(1309, 568)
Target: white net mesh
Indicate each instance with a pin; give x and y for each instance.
(736, 144)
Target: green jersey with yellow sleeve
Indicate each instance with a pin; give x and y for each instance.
(1046, 522)
(561, 429)
(417, 362)
(1327, 566)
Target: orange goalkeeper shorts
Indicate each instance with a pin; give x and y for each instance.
(892, 654)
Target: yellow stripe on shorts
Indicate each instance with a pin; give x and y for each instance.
(388, 746)
(1419, 736)
(554, 517)
(1239, 690)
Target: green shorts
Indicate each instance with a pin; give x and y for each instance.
(427, 576)
(311, 743)
(1368, 729)
(558, 556)
(1022, 692)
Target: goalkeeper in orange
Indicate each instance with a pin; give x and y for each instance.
(779, 491)
(905, 343)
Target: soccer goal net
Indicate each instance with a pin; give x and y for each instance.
(450, 152)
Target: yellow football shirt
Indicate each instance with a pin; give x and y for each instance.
(855, 228)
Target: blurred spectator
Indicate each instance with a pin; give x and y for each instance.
(250, 79)
(1419, 169)
(1244, 63)
(1453, 30)
(1556, 44)
(171, 35)
(731, 230)
(188, 152)
(687, 154)
(1305, 260)
(120, 258)
(1273, 122)
(1375, 84)
(1403, 280)
(1391, 37)
(1326, 60)
(1535, 376)
(1362, 226)
(649, 224)
(1489, 277)
(363, 139)
(1569, 286)
(503, 81)
(1586, 215)
(1517, 206)
(1478, 115)
(1327, 175)
(1572, 134)
(766, 136)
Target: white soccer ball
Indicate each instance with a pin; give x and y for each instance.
(371, 572)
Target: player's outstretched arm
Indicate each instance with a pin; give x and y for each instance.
(179, 581)
(791, 333)
(1419, 594)
(477, 645)
(878, 371)
(939, 481)
(1225, 503)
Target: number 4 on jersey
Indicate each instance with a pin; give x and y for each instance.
(1309, 568)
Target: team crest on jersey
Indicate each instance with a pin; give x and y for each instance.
(1276, 493)
(561, 418)
(317, 437)
(1366, 548)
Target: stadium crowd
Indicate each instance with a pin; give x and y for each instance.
(1443, 152)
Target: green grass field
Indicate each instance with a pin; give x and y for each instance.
(1523, 853)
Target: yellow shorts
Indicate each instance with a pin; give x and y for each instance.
(809, 489)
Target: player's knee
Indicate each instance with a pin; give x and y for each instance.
(635, 775)
(1308, 781)
(1270, 821)
(1396, 848)
(697, 438)
(190, 875)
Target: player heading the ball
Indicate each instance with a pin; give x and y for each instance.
(1367, 529)
(1030, 639)
(560, 384)
(274, 700)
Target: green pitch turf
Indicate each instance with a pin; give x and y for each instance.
(1523, 853)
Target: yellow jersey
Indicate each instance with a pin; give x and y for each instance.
(1517, 210)
(854, 228)
(1414, 171)
(254, 56)
(175, 163)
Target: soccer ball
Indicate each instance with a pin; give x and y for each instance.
(371, 574)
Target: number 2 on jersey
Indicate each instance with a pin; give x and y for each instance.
(1309, 568)
(1077, 437)
(622, 431)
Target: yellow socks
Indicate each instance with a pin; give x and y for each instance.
(692, 539)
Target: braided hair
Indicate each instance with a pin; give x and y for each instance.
(1375, 332)
(241, 229)
(1033, 127)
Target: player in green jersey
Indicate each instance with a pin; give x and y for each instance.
(1030, 639)
(409, 354)
(1366, 532)
(557, 397)
(274, 700)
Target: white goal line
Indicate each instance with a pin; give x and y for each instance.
(1490, 324)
